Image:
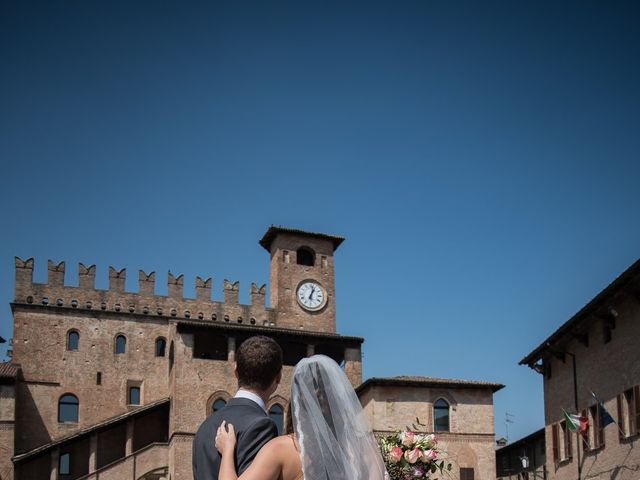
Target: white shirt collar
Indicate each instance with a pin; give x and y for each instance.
(251, 396)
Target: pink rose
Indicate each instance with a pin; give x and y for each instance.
(395, 455)
(429, 455)
(408, 439)
(412, 456)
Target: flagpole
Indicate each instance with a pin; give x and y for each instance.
(601, 406)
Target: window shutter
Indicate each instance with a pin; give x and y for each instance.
(554, 438)
(636, 410)
(622, 428)
(600, 429)
(595, 426)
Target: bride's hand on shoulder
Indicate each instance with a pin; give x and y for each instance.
(225, 438)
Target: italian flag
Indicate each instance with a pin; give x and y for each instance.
(576, 423)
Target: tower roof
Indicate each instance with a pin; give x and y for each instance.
(274, 230)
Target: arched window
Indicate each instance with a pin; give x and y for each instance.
(68, 408)
(121, 344)
(217, 405)
(441, 415)
(161, 345)
(73, 340)
(305, 256)
(276, 413)
(64, 464)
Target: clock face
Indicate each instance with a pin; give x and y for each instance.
(311, 296)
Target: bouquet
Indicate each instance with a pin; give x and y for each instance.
(408, 455)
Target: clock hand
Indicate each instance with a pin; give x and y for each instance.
(311, 294)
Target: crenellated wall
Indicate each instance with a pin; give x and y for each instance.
(86, 297)
(200, 334)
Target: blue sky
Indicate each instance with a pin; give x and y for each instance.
(480, 157)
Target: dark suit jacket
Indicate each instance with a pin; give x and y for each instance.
(253, 428)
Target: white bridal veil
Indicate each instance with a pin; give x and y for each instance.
(335, 439)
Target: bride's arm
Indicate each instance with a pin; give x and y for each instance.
(266, 466)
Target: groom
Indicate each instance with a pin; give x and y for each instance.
(259, 371)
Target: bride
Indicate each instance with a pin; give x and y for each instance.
(331, 439)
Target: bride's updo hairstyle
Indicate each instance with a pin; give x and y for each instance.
(258, 362)
(336, 442)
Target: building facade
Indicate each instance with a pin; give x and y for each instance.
(594, 357)
(524, 459)
(111, 384)
(459, 412)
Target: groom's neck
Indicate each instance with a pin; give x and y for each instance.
(263, 394)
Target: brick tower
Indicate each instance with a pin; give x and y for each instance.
(302, 278)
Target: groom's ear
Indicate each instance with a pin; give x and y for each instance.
(279, 378)
(235, 370)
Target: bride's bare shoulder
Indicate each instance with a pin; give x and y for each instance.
(282, 445)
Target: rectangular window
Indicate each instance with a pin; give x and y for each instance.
(64, 464)
(628, 406)
(134, 396)
(585, 434)
(566, 441)
(554, 440)
(598, 432)
(466, 473)
(99, 378)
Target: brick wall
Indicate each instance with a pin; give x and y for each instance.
(608, 369)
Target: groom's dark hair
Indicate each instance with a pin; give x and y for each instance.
(258, 362)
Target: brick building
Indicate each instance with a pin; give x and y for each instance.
(460, 412)
(595, 351)
(524, 459)
(110, 384)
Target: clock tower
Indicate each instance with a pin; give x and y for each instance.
(301, 277)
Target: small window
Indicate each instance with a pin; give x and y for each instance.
(276, 413)
(121, 344)
(68, 409)
(73, 340)
(441, 415)
(219, 404)
(585, 434)
(567, 449)
(99, 378)
(134, 396)
(64, 464)
(597, 430)
(161, 345)
(305, 256)
(628, 405)
(467, 473)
